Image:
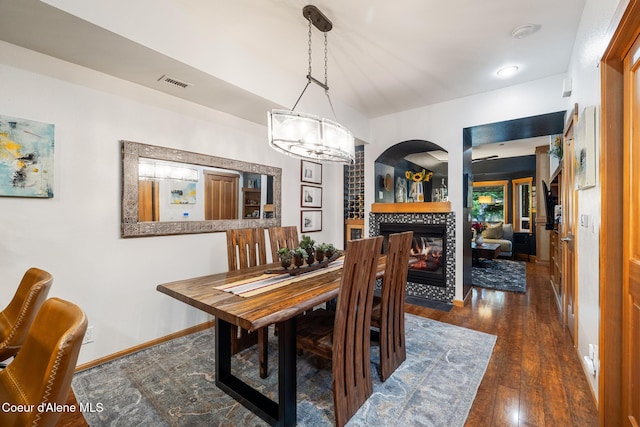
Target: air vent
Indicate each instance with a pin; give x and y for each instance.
(174, 82)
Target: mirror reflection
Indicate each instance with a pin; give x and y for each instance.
(171, 191)
(167, 191)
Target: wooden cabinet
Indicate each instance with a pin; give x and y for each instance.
(555, 266)
(524, 244)
(354, 229)
(251, 203)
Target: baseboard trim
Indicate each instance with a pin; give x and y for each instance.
(463, 302)
(109, 358)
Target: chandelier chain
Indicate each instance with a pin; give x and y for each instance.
(326, 67)
(310, 51)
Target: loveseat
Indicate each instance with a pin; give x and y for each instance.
(502, 234)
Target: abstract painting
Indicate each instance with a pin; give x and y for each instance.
(585, 149)
(26, 158)
(183, 193)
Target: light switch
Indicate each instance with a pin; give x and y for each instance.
(380, 195)
(584, 220)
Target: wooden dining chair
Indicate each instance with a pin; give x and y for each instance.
(16, 318)
(247, 248)
(388, 310)
(280, 237)
(343, 336)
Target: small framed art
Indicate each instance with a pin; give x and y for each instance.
(311, 172)
(310, 196)
(310, 221)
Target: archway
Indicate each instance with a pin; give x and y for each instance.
(413, 156)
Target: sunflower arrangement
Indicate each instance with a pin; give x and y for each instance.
(418, 176)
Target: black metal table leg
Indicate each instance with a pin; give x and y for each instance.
(287, 381)
(283, 414)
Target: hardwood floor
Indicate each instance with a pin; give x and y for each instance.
(534, 378)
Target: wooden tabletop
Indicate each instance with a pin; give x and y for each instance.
(261, 310)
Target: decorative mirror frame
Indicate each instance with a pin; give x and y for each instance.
(131, 227)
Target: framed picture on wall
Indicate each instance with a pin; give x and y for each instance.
(311, 172)
(26, 157)
(310, 221)
(310, 196)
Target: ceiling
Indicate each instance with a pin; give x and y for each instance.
(247, 56)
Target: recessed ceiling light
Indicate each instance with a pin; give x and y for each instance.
(507, 71)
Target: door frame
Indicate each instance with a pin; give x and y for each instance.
(568, 236)
(627, 28)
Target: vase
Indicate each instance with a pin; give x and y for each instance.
(298, 260)
(285, 263)
(401, 190)
(479, 240)
(319, 255)
(416, 192)
(310, 256)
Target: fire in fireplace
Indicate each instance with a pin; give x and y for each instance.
(428, 247)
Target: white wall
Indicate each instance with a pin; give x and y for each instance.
(594, 34)
(76, 234)
(443, 123)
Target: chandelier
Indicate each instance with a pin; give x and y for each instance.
(308, 136)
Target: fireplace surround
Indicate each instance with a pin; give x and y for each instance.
(434, 239)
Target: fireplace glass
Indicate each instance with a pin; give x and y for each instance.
(428, 247)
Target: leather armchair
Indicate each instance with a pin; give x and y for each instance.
(39, 378)
(16, 318)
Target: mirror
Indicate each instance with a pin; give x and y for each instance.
(489, 201)
(522, 200)
(167, 191)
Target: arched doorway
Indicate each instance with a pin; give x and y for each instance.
(422, 160)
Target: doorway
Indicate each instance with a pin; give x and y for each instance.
(484, 168)
(618, 404)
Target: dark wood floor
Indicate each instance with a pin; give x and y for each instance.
(534, 378)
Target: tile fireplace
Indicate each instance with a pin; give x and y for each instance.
(433, 276)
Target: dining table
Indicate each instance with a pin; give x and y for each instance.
(253, 298)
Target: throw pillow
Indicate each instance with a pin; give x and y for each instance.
(493, 232)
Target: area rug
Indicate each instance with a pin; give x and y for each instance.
(501, 274)
(172, 384)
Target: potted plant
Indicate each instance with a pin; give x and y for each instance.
(319, 253)
(555, 148)
(285, 256)
(329, 250)
(299, 256)
(307, 244)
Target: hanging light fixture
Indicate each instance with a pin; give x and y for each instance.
(305, 135)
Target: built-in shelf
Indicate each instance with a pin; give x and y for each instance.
(415, 207)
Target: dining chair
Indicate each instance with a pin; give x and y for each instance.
(388, 309)
(17, 317)
(280, 237)
(246, 247)
(41, 373)
(343, 336)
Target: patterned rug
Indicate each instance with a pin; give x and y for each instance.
(172, 384)
(501, 274)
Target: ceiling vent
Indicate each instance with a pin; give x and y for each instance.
(173, 81)
(524, 31)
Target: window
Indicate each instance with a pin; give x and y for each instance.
(522, 204)
(489, 201)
